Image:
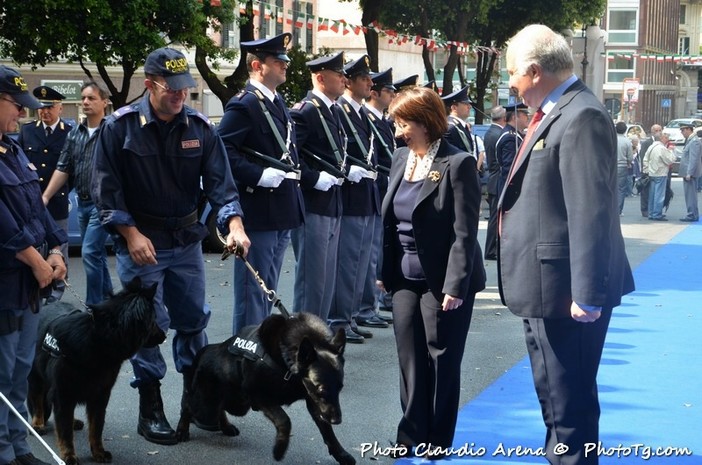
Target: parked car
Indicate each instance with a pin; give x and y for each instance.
(214, 242)
(673, 128)
(635, 130)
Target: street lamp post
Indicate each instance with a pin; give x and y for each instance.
(584, 63)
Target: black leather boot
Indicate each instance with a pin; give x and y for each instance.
(153, 424)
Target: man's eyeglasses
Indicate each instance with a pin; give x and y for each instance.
(167, 89)
(17, 105)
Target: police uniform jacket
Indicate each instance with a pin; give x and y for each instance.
(490, 139)
(150, 174)
(24, 222)
(456, 129)
(245, 125)
(505, 150)
(43, 151)
(310, 135)
(444, 224)
(384, 155)
(359, 198)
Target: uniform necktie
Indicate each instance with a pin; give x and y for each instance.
(48, 131)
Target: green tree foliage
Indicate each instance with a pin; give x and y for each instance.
(108, 33)
(484, 23)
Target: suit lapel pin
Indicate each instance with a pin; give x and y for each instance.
(434, 176)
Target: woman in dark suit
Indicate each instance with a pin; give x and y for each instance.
(432, 264)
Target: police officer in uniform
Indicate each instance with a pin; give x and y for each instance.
(30, 259)
(321, 143)
(458, 106)
(151, 159)
(360, 204)
(260, 139)
(506, 147)
(497, 115)
(382, 93)
(42, 141)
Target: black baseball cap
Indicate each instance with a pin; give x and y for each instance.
(12, 83)
(172, 65)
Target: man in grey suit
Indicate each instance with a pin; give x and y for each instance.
(561, 259)
(690, 169)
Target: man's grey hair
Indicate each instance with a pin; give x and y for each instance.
(538, 44)
(498, 112)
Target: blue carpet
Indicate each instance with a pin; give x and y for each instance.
(650, 378)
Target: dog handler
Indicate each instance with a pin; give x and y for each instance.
(30, 259)
(150, 159)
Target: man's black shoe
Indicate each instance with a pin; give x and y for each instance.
(361, 332)
(388, 319)
(662, 218)
(372, 322)
(688, 219)
(353, 338)
(28, 459)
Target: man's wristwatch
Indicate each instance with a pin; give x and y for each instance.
(57, 252)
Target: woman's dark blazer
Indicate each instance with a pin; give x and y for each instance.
(445, 225)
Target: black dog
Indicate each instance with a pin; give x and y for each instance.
(284, 360)
(78, 357)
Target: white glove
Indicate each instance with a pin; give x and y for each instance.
(271, 177)
(356, 173)
(325, 181)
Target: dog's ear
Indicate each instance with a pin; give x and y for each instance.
(306, 353)
(134, 285)
(150, 291)
(339, 341)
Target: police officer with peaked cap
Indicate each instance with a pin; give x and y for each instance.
(507, 146)
(458, 105)
(153, 159)
(321, 144)
(42, 141)
(257, 120)
(30, 259)
(382, 93)
(361, 203)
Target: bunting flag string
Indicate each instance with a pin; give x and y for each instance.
(658, 58)
(302, 20)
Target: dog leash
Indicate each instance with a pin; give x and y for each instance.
(75, 294)
(29, 427)
(270, 294)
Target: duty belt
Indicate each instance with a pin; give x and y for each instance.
(171, 223)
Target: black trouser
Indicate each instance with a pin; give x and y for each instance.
(430, 345)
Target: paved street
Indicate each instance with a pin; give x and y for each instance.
(370, 399)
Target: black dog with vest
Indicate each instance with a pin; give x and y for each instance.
(78, 357)
(274, 364)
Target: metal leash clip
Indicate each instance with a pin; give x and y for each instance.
(270, 294)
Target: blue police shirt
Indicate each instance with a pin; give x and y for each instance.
(24, 222)
(144, 166)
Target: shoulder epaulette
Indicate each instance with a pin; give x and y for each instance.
(299, 105)
(117, 114)
(193, 112)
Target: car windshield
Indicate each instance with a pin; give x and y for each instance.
(677, 122)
